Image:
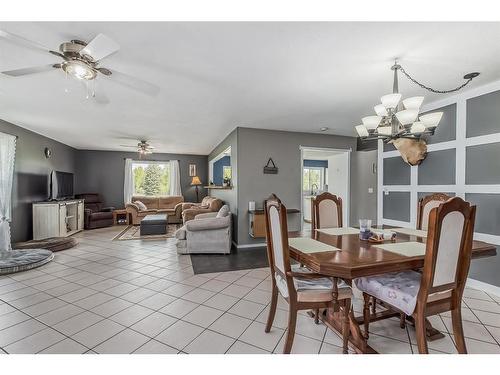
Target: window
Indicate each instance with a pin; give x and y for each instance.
(151, 178)
(313, 179)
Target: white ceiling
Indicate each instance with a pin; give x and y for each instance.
(216, 76)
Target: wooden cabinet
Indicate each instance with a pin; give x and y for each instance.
(57, 219)
(258, 222)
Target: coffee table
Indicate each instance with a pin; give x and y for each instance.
(154, 224)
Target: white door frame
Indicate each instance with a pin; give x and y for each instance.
(345, 201)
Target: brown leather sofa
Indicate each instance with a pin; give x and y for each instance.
(95, 215)
(208, 204)
(171, 206)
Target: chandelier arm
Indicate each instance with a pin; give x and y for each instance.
(430, 88)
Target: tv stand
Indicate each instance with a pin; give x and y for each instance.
(57, 218)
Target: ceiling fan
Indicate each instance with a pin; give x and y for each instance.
(143, 148)
(81, 60)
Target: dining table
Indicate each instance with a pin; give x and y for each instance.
(342, 254)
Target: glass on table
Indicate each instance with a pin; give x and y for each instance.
(365, 229)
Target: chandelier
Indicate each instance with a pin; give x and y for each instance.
(396, 118)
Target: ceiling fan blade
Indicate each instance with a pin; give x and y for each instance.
(134, 83)
(31, 70)
(127, 146)
(26, 42)
(100, 47)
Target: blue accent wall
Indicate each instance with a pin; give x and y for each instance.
(315, 163)
(219, 165)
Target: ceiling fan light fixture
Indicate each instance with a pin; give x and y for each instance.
(79, 70)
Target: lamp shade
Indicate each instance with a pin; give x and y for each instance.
(195, 181)
(362, 131)
(380, 110)
(417, 127)
(371, 122)
(390, 101)
(431, 120)
(407, 116)
(414, 102)
(384, 130)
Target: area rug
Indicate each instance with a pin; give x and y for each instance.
(23, 260)
(133, 232)
(242, 259)
(53, 244)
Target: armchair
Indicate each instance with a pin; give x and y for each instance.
(206, 233)
(94, 214)
(207, 205)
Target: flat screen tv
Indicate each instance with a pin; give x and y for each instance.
(61, 185)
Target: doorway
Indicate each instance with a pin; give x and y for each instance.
(324, 170)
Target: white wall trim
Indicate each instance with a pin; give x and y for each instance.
(485, 287)
(259, 244)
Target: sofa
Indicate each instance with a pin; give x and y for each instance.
(95, 215)
(207, 205)
(171, 206)
(207, 233)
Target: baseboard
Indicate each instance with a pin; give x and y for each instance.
(260, 244)
(485, 287)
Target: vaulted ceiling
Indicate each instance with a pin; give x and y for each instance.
(215, 76)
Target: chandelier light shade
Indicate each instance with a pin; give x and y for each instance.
(390, 101)
(417, 128)
(431, 120)
(371, 122)
(407, 116)
(413, 102)
(399, 118)
(380, 110)
(362, 131)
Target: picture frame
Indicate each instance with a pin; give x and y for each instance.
(192, 170)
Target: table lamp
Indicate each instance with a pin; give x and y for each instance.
(195, 181)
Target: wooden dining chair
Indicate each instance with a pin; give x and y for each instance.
(425, 205)
(300, 287)
(326, 211)
(440, 286)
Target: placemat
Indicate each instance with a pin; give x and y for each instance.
(411, 232)
(338, 231)
(308, 245)
(408, 249)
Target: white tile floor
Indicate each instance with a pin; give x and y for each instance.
(108, 296)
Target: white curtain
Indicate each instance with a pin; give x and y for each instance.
(175, 178)
(7, 154)
(128, 184)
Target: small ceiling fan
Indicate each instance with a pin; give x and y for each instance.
(81, 60)
(143, 148)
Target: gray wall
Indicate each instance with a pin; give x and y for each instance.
(255, 147)
(230, 197)
(363, 177)
(104, 172)
(481, 167)
(31, 178)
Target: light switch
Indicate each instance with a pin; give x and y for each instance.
(370, 190)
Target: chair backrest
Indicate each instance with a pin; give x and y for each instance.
(425, 205)
(326, 211)
(92, 202)
(277, 237)
(449, 249)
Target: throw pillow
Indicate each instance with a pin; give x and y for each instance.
(224, 211)
(142, 206)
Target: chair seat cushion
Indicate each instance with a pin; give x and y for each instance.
(312, 290)
(101, 216)
(399, 289)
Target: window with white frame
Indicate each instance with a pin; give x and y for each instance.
(313, 179)
(151, 178)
